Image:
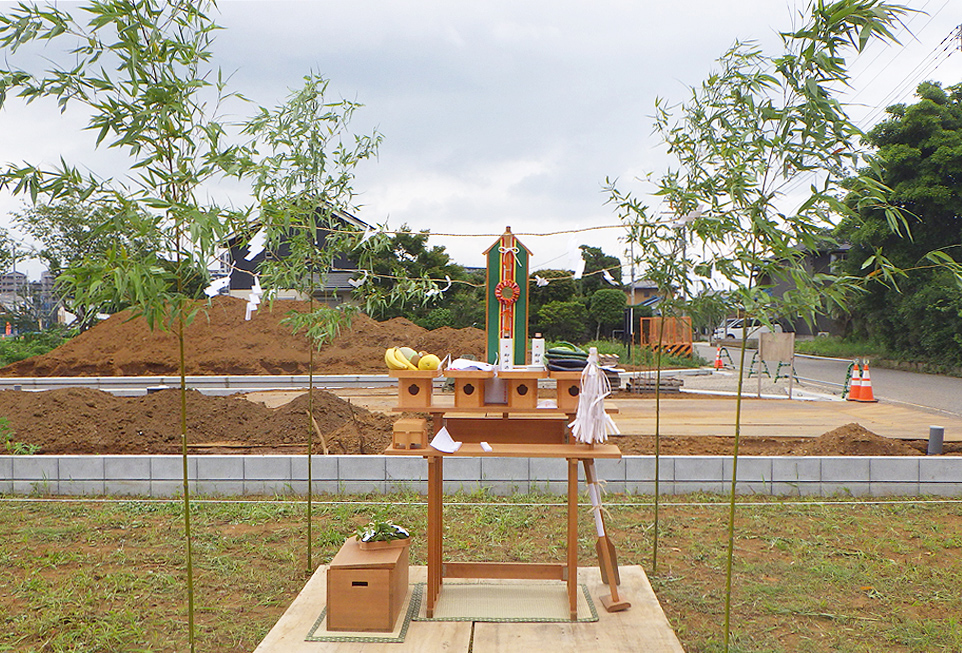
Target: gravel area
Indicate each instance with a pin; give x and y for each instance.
(726, 381)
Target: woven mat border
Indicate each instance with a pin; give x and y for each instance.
(414, 606)
(587, 619)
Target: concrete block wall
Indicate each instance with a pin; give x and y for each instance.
(161, 476)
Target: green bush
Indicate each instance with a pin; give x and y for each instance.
(32, 344)
(564, 321)
(641, 356)
(835, 347)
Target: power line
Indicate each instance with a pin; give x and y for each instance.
(931, 62)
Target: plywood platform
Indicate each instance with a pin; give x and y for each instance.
(642, 628)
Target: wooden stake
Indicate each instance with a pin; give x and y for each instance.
(317, 429)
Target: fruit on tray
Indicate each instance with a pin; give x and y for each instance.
(405, 358)
(410, 355)
(429, 362)
(395, 360)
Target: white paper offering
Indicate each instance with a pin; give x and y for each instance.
(444, 442)
(465, 364)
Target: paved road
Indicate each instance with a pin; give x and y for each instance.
(939, 394)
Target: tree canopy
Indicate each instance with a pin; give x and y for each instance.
(71, 233)
(919, 315)
(413, 280)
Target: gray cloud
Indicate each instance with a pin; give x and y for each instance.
(494, 113)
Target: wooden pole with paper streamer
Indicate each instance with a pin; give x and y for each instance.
(592, 424)
(607, 557)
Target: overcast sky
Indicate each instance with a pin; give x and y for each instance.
(502, 113)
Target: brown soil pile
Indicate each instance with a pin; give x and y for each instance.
(854, 440)
(221, 342)
(849, 440)
(85, 421)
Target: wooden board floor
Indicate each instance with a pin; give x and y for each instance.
(642, 628)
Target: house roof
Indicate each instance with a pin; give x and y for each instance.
(643, 284)
(344, 216)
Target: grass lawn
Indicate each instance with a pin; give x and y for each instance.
(833, 576)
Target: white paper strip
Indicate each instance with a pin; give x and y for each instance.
(256, 244)
(216, 286)
(444, 442)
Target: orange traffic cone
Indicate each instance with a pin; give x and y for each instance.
(866, 391)
(718, 361)
(855, 385)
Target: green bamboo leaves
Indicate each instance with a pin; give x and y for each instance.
(757, 134)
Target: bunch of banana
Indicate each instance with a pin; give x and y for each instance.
(405, 358)
(566, 357)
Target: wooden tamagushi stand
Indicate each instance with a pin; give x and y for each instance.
(496, 414)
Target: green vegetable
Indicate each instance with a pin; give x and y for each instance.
(382, 531)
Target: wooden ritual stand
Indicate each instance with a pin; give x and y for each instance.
(415, 388)
(517, 429)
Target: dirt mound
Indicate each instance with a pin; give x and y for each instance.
(85, 421)
(849, 440)
(854, 440)
(220, 342)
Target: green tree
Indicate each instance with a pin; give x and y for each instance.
(8, 250)
(564, 321)
(920, 146)
(707, 309)
(560, 287)
(607, 309)
(71, 234)
(596, 264)
(303, 184)
(409, 279)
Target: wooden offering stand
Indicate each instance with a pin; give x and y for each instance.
(366, 586)
(514, 429)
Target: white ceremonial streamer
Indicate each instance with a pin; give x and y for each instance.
(357, 283)
(254, 299)
(256, 244)
(216, 286)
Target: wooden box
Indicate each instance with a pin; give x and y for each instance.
(469, 387)
(522, 387)
(366, 588)
(411, 433)
(569, 390)
(415, 387)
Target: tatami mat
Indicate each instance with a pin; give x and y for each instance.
(529, 602)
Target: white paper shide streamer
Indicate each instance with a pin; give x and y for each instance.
(256, 244)
(592, 424)
(216, 286)
(254, 299)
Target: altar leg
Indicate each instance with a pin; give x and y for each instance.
(573, 538)
(435, 531)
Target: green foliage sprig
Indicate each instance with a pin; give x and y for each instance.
(381, 531)
(10, 445)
